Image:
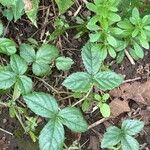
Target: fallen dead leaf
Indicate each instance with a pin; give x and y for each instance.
(139, 92)
(118, 107)
(94, 143)
(27, 5)
(146, 116)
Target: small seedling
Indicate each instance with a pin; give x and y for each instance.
(121, 138)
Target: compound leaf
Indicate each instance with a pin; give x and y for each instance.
(107, 80)
(52, 136)
(91, 58)
(18, 64)
(42, 104)
(79, 82)
(73, 119)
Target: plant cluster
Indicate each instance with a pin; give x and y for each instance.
(109, 33)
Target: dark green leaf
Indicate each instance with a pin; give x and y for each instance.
(79, 82)
(52, 136)
(18, 64)
(42, 104)
(73, 119)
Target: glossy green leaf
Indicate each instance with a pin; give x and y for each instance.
(91, 58)
(46, 54)
(41, 69)
(105, 110)
(129, 143)
(18, 64)
(73, 119)
(52, 136)
(107, 80)
(63, 6)
(7, 46)
(79, 82)
(111, 138)
(7, 79)
(42, 104)
(25, 84)
(27, 53)
(64, 63)
(132, 127)
(32, 13)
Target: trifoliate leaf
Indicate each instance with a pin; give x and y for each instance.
(132, 127)
(25, 84)
(73, 119)
(27, 53)
(52, 136)
(79, 82)
(7, 46)
(18, 64)
(91, 58)
(7, 79)
(111, 138)
(107, 80)
(129, 143)
(64, 63)
(42, 104)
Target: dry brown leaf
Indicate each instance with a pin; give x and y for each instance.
(27, 5)
(118, 107)
(146, 116)
(139, 92)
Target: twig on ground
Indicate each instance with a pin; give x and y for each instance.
(5, 131)
(129, 57)
(131, 80)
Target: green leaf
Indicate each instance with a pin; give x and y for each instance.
(135, 13)
(125, 24)
(86, 105)
(73, 119)
(129, 143)
(8, 13)
(112, 41)
(144, 43)
(111, 138)
(46, 54)
(133, 54)
(114, 17)
(107, 80)
(112, 52)
(32, 13)
(18, 64)
(27, 53)
(132, 127)
(63, 6)
(103, 53)
(1, 28)
(25, 84)
(7, 79)
(91, 7)
(94, 37)
(138, 50)
(7, 46)
(42, 104)
(105, 110)
(8, 2)
(41, 69)
(79, 82)
(52, 136)
(91, 58)
(64, 63)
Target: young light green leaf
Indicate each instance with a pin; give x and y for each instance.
(41, 69)
(46, 54)
(112, 41)
(63, 6)
(42, 104)
(135, 13)
(91, 58)
(125, 24)
(52, 136)
(105, 110)
(64, 63)
(1, 28)
(27, 53)
(132, 127)
(111, 138)
(138, 50)
(79, 82)
(7, 79)
(129, 143)
(32, 13)
(111, 52)
(7, 46)
(94, 37)
(114, 17)
(25, 84)
(18, 64)
(73, 119)
(107, 80)
(144, 43)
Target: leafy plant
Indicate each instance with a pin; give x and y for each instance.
(84, 81)
(123, 137)
(52, 135)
